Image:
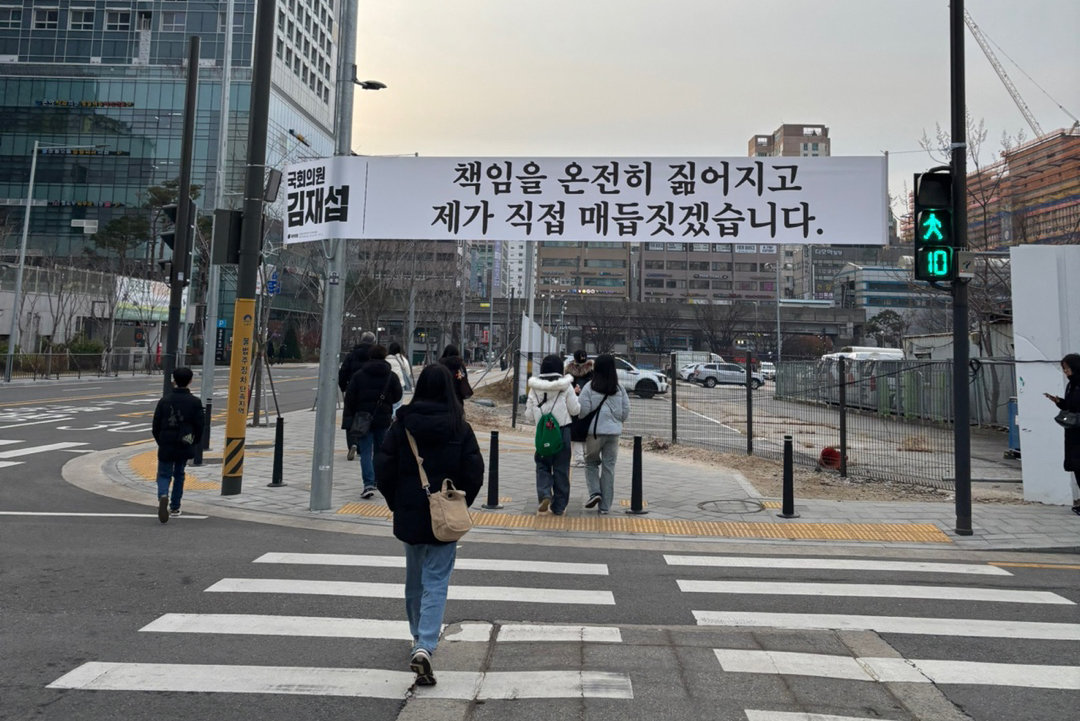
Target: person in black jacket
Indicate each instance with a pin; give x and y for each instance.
(452, 359)
(357, 357)
(373, 389)
(177, 428)
(448, 447)
(1070, 366)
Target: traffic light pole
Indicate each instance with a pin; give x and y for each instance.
(961, 398)
(180, 267)
(232, 467)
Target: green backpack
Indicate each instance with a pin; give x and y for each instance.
(549, 435)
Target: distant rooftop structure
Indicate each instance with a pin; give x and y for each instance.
(792, 140)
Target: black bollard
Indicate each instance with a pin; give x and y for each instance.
(279, 449)
(493, 474)
(788, 505)
(206, 424)
(637, 502)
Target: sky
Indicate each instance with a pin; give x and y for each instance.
(665, 78)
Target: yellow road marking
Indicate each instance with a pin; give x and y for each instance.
(1061, 566)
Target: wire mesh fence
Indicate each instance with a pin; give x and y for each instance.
(878, 420)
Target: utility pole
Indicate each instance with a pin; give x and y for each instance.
(206, 389)
(961, 399)
(232, 468)
(322, 460)
(180, 268)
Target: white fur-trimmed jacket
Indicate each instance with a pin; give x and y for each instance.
(552, 393)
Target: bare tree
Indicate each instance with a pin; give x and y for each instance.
(718, 322)
(655, 323)
(603, 324)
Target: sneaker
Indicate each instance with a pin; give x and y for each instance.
(421, 666)
(545, 504)
(593, 500)
(174, 511)
(1076, 510)
(163, 509)
(368, 492)
(352, 453)
(579, 463)
(602, 512)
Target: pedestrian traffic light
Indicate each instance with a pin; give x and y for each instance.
(177, 271)
(935, 252)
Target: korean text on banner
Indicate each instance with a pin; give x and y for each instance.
(822, 201)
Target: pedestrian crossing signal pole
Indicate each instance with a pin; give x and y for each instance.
(232, 469)
(961, 399)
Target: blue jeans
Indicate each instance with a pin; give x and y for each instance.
(601, 452)
(427, 578)
(171, 471)
(365, 446)
(553, 475)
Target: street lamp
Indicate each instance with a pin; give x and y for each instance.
(13, 335)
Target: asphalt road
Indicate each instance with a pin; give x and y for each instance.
(606, 629)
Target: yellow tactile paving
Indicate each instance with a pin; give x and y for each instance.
(145, 465)
(895, 532)
(772, 504)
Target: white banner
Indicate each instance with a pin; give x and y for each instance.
(826, 201)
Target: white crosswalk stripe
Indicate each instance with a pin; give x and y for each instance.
(394, 590)
(870, 590)
(899, 670)
(835, 564)
(18, 452)
(506, 684)
(967, 627)
(461, 564)
(371, 683)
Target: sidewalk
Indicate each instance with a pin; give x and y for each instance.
(685, 500)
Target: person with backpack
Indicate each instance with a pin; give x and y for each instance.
(448, 448)
(551, 405)
(177, 429)
(371, 395)
(604, 396)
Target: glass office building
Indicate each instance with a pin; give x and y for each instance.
(100, 85)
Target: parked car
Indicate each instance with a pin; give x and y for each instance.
(711, 375)
(768, 370)
(640, 381)
(687, 371)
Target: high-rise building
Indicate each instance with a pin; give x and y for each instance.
(579, 268)
(99, 84)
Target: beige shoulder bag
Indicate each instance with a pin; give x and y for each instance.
(450, 519)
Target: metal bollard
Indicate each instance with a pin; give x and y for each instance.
(637, 502)
(788, 505)
(206, 424)
(279, 449)
(493, 474)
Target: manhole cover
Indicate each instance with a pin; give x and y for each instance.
(732, 506)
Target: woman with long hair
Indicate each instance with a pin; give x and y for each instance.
(608, 399)
(1070, 366)
(448, 447)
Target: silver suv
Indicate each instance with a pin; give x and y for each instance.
(711, 375)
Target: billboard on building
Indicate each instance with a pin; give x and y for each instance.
(833, 200)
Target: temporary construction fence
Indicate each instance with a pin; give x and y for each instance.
(875, 420)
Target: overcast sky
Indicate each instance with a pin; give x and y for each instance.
(698, 77)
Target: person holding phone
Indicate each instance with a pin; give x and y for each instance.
(1070, 366)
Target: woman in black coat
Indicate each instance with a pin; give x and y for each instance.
(1070, 366)
(448, 447)
(373, 389)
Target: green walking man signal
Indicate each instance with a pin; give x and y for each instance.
(935, 254)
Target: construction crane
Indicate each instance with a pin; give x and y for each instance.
(981, 39)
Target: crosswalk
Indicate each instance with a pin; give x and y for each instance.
(7, 451)
(710, 610)
(556, 595)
